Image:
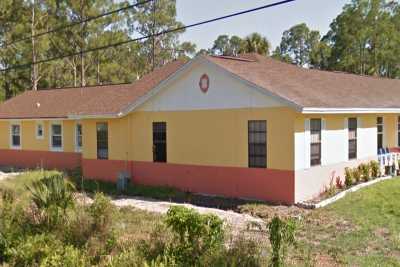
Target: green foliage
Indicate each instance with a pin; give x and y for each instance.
(255, 43)
(45, 250)
(365, 38)
(299, 45)
(281, 235)
(234, 45)
(365, 170)
(241, 251)
(52, 195)
(120, 64)
(194, 234)
(348, 177)
(330, 189)
(356, 175)
(110, 188)
(374, 166)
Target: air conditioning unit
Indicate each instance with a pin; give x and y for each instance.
(123, 181)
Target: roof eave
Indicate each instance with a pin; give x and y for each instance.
(322, 110)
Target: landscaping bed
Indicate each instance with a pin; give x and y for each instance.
(355, 178)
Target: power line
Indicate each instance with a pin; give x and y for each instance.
(77, 23)
(151, 35)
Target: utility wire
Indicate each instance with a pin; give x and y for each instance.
(76, 23)
(149, 36)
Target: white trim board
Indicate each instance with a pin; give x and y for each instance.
(309, 110)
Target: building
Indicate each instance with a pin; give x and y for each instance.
(248, 127)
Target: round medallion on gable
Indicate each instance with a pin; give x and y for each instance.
(204, 83)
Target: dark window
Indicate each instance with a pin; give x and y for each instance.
(16, 135)
(102, 140)
(159, 141)
(315, 132)
(78, 136)
(39, 130)
(257, 144)
(56, 135)
(379, 126)
(352, 125)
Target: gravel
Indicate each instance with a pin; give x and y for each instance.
(6, 175)
(237, 221)
(234, 219)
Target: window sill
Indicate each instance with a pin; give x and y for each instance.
(39, 137)
(16, 147)
(56, 149)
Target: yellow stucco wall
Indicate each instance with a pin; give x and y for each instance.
(212, 137)
(118, 138)
(215, 137)
(204, 137)
(390, 130)
(28, 136)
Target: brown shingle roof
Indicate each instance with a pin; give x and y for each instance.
(303, 87)
(314, 88)
(96, 100)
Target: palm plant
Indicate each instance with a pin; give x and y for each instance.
(52, 196)
(255, 43)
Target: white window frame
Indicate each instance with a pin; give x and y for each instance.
(397, 129)
(39, 123)
(383, 130)
(56, 149)
(77, 148)
(16, 123)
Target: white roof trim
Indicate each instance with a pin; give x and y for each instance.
(100, 116)
(322, 110)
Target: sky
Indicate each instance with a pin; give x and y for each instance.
(272, 22)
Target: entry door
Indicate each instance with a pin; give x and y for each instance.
(159, 141)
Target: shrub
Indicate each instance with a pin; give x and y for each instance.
(374, 166)
(241, 251)
(348, 177)
(281, 235)
(365, 171)
(356, 175)
(330, 189)
(102, 236)
(45, 250)
(194, 234)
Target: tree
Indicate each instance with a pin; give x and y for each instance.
(298, 45)
(154, 18)
(221, 45)
(227, 46)
(255, 43)
(365, 38)
(186, 50)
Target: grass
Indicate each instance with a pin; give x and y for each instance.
(362, 229)
(19, 183)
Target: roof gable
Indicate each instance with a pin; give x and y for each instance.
(225, 91)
